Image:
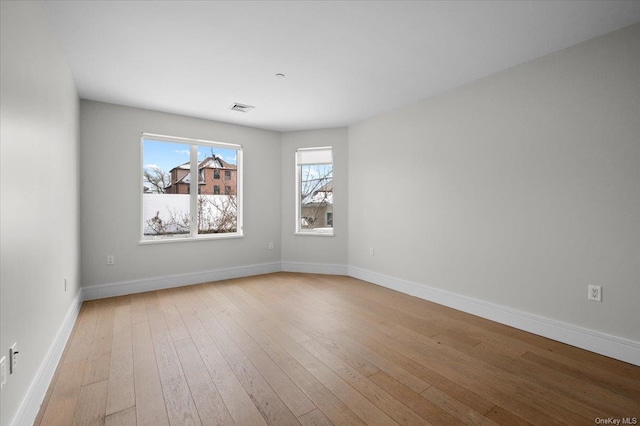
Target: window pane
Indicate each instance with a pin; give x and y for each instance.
(316, 196)
(217, 213)
(165, 198)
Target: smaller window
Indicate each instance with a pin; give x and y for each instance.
(314, 188)
(216, 174)
(227, 190)
(227, 174)
(216, 190)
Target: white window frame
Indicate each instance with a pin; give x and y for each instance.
(304, 156)
(193, 235)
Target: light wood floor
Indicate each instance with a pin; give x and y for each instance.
(304, 349)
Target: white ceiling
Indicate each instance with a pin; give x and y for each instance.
(344, 61)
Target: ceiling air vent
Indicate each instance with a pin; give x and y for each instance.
(241, 107)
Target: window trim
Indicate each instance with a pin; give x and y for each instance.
(300, 152)
(193, 235)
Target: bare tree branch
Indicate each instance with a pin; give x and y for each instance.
(157, 178)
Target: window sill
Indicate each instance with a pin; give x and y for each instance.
(190, 239)
(314, 234)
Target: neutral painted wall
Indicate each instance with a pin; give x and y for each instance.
(110, 197)
(38, 193)
(311, 248)
(519, 189)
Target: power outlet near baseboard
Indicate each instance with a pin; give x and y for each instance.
(13, 358)
(595, 293)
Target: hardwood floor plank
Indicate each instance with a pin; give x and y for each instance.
(614, 366)
(567, 392)
(420, 405)
(324, 399)
(238, 403)
(121, 388)
(225, 343)
(456, 408)
(180, 406)
(172, 317)
(449, 387)
(80, 345)
(379, 397)
(121, 301)
(270, 405)
(361, 329)
(56, 374)
(382, 363)
(150, 408)
(121, 418)
(90, 410)
(254, 305)
(155, 317)
(504, 417)
(290, 394)
(412, 343)
(314, 418)
(356, 402)
(211, 407)
(351, 352)
(138, 309)
(630, 388)
(61, 407)
(507, 390)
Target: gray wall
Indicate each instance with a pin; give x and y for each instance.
(519, 189)
(311, 248)
(111, 188)
(39, 193)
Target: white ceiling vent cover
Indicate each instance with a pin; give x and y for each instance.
(241, 107)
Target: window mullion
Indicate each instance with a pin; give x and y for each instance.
(193, 190)
(298, 200)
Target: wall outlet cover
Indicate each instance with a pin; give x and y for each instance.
(595, 293)
(13, 358)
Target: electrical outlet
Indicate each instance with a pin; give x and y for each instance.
(270, 245)
(13, 358)
(371, 251)
(111, 259)
(3, 372)
(595, 293)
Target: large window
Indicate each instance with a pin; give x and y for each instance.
(314, 187)
(177, 207)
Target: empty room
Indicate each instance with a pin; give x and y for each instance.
(320, 213)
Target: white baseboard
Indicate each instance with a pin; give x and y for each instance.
(30, 405)
(594, 341)
(150, 284)
(159, 283)
(315, 268)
